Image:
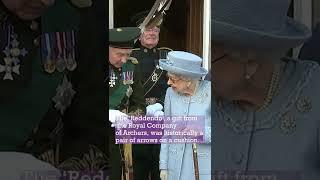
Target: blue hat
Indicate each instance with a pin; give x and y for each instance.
(260, 24)
(183, 63)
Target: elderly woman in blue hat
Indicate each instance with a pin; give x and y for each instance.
(265, 108)
(188, 95)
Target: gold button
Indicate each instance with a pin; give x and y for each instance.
(34, 26)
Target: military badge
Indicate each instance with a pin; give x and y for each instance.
(64, 95)
(154, 77)
(133, 60)
(129, 91)
(127, 77)
(48, 62)
(58, 50)
(49, 66)
(303, 104)
(9, 69)
(71, 59)
(61, 65)
(12, 52)
(112, 78)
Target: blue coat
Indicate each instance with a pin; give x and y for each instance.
(284, 138)
(178, 158)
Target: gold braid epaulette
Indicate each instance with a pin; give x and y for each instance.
(133, 60)
(165, 48)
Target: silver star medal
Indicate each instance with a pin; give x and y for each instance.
(154, 77)
(12, 61)
(112, 81)
(64, 95)
(129, 91)
(9, 68)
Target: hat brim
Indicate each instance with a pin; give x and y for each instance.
(164, 65)
(291, 35)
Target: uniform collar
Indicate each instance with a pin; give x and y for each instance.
(114, 68)
(147, 50)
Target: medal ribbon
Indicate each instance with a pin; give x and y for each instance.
(59, 45)
(54, 48)
(64, 46)
(48, 48)
(69, 44)
(73, 45)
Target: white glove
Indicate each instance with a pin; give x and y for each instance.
(158, 113)
(163, 174)
(17, 166)
(117, 118)
(151, 109)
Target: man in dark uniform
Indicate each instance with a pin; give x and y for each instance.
(125, 92)
(47, 91)
(154, 85)
(21, 75)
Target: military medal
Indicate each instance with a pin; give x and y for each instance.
(9, 69)
(48, 62)
(12, 53)
(60, 62)
(154, 77)
(113, 78)
(64, 95)
(127, 77)
(70, 50)
(124, 79)
(129, 91)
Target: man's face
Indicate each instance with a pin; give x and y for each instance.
(117, 56)
(150, 37)
(28, 9)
